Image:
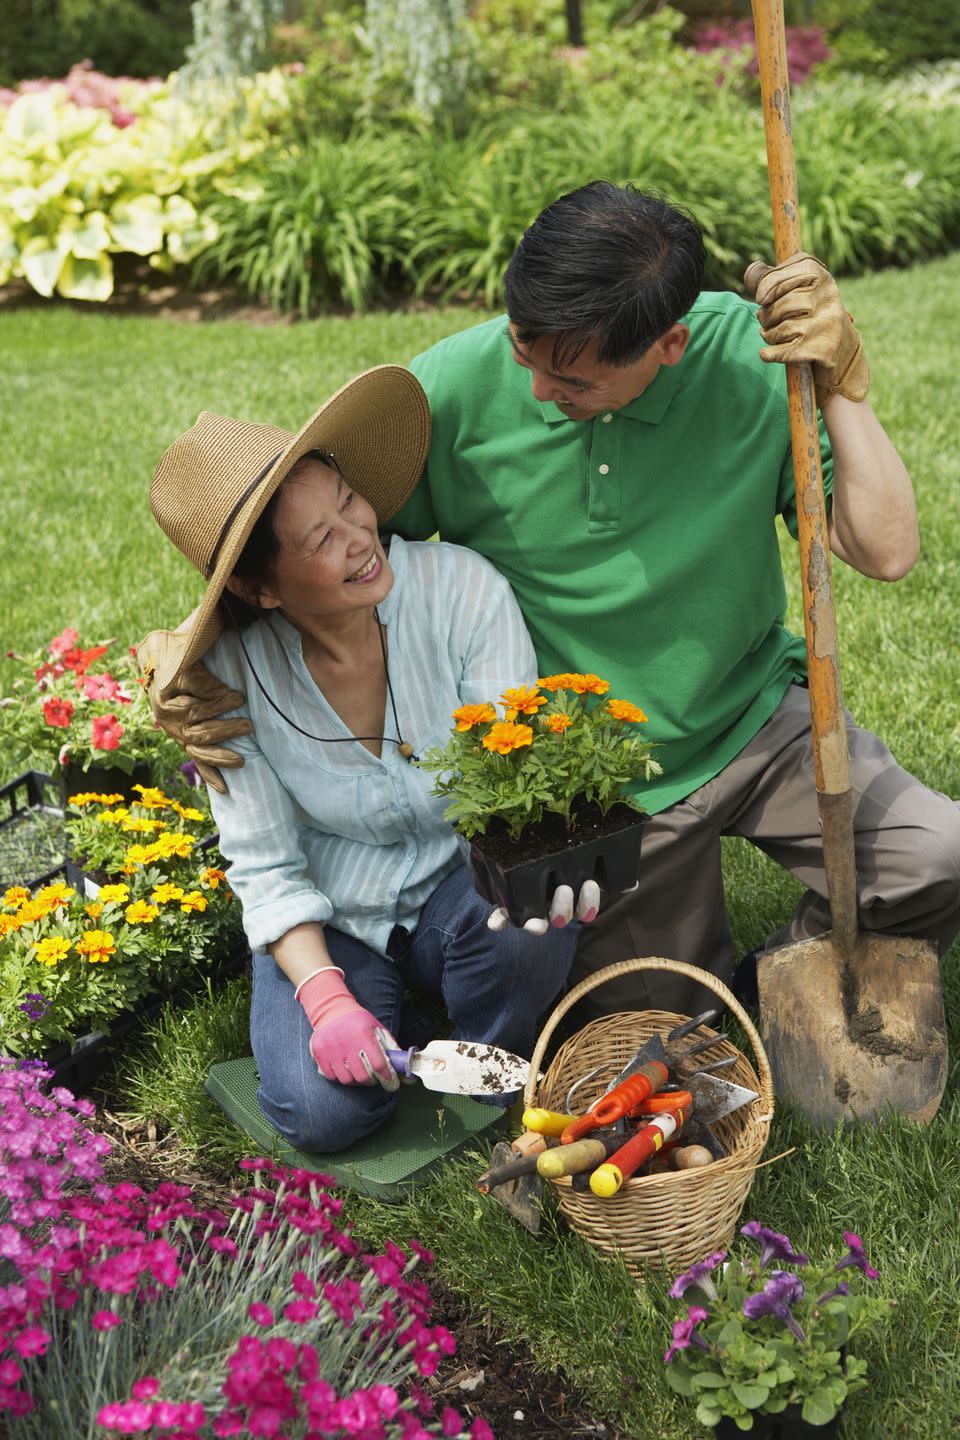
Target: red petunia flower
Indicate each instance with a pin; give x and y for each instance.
(58, 712)
(106, 732)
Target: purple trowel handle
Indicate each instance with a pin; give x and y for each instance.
(401, 1061)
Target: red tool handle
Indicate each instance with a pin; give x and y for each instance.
(607, 1178)
(582, 1125)
(658, 1104)
(629, 1093)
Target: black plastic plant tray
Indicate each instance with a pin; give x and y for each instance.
(31, 826)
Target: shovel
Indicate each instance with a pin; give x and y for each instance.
(462, 1067)
(853, 1023)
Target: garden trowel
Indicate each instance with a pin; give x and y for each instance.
(462, 1067)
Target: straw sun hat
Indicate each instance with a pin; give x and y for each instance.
(213, 484)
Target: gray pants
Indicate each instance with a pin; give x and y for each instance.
(907, 853)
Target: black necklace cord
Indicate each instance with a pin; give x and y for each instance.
(405, 748)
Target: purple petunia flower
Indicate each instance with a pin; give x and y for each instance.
(855, 1256)
(780, 1292)
(685, 1333)
(698, 1275)
(35, 1005)
(773, 1245)
(842, 1289)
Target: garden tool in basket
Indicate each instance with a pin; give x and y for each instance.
(853, 1023)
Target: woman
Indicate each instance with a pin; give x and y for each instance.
(351, 654)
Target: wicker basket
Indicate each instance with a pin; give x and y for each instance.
(669, 1220)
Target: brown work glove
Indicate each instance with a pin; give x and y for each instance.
(802, 318)
(187, 705)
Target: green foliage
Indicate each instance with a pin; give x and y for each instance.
(885, 36)
(78, 190)
(423, 48)
(231, 39)
(121, 37)
(546, 757)
(318, 225)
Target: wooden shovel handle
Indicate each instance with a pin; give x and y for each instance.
(830, 753)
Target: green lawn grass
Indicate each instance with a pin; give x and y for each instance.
(90, 402)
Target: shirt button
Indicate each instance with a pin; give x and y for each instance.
(604, 469)
(607, 419)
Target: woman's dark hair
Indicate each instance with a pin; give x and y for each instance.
(606, 263)
(257, 562)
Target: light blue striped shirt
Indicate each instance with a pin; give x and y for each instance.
(331, 833)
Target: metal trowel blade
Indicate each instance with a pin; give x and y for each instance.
(521, 1197)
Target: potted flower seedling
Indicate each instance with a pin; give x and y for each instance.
(83, 718)
(542, 790)
(767, 1341)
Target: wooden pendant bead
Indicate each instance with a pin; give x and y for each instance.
(406, 750)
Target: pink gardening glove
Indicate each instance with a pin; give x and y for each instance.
(348, 1043)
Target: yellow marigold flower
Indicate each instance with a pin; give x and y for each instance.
(194, 901)
(52, 950)
(8, 923)
(31, 911)
(589, 684)
(141, 825)
(114, 894)
(113, 817)
(173, 844)
(94, 909)
(163, 894)
(623, 710)
(16, 895)
(505, 736)
(555, 682)
(140, 913)
(469, 715)
(152, 798)
(557, 723)
(96, 945)
(522, 700)
(141, 855)
(187, 812)
(110, 799)
(85, 797)
(55, 894)
(212, 878)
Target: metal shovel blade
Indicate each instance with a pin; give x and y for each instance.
(853, 1039)
(713, 1098)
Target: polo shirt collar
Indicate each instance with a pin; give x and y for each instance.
(650, 407)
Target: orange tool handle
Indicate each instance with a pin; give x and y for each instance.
(607, 1178)
(582, 1125)
(658, 1104)
(628, 1094)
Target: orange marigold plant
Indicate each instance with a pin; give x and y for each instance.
(571, 748)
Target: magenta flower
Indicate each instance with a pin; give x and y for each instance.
(855, 1256)
(698, 1275)
(105, 1320)
(300, 1311)
(842, 1289)
(130, 1417)
(480, 1430)
(30, 1342)
(223, 1245)
(145, 1389)
(259, 1313)
(451, 1421)
(685, 1332)
(304, 1286)
(782, 1290)
(773, 1245)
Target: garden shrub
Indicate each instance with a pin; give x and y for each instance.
(122, 37)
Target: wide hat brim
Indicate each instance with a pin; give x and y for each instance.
(377, 428)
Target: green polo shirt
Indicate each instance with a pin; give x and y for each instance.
(640, 545)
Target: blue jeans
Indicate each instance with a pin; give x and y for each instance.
(495, 986)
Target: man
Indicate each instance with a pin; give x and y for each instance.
(627, 486)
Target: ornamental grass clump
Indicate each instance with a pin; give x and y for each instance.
(130, 1312)
(559, 745)
(70, 962)
(772, 1331)
(70, 708)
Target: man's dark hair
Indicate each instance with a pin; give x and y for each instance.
(606, 263)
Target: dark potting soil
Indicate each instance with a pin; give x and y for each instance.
(550, 834)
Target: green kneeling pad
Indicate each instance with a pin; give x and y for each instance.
(424, 1127)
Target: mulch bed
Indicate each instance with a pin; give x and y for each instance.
(488, 1376)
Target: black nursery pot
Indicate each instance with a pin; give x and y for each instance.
(524, 887)
(788, 1425)
(103, 780)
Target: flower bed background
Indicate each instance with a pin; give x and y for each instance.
(369, 174)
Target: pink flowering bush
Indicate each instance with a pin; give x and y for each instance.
(83, 86)
(132, 1312)
(806, 46)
